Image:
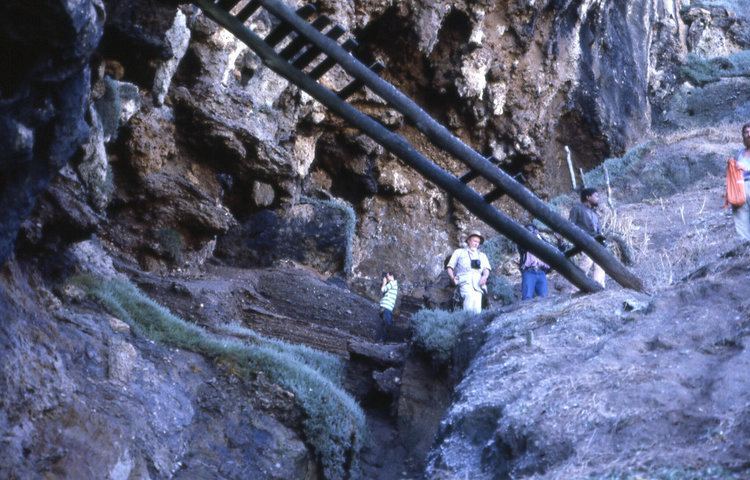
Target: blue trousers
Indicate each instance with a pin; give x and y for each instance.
(387, 316)
(533, 283)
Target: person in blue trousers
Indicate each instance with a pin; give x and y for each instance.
(533, 271)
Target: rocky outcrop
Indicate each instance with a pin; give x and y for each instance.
(314, 233)
(74, 379)
(558, 384)
(44, 87)
(713, 78)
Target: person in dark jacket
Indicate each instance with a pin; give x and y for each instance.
(533, 271)
(585, 216)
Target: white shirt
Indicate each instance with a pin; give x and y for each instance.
(460, 262)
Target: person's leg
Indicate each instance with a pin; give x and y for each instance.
(476, 302)
(472, 298)
(541, 285)
(591, 269)
(584, 262)
(527, 285)
(388, 317)
(597, 274)
(742, 218)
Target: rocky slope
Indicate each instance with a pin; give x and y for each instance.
(140, 141)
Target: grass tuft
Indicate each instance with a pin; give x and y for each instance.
(327, 364)
(436, 332)
(334, 423)
(618, 167)
(699, 70)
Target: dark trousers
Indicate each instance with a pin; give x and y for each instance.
(387, 316)
(533, 283)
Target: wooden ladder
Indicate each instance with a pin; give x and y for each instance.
(304, 46)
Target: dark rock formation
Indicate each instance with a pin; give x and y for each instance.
(74, 380)
(316, 233)
(44, 87)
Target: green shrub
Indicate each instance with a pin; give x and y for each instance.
(498, 249)
(171, 243)
(334, 423)
(436, 332)
(500, 290)
(617, 167)
(699, 70)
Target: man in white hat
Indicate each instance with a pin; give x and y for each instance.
(468, 268)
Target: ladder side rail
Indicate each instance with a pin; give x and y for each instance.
(444, 139)
(401, 148)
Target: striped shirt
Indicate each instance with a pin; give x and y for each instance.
(390, 291)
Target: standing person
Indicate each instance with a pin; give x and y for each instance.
(389, 289)
(742, 214)
(584, 215)
(468, 268)
(533, 271)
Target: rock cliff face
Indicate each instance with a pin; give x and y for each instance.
(228, 139)
(138, 131)
(44, 87)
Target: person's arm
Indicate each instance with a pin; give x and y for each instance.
(485, 264)
(452, 275)
(450, 268)
(485, 274)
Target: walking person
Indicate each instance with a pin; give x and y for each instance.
(742, 214)
(533, 271)
(468, 269)
(584, 215)
(389, 289)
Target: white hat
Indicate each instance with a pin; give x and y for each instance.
(475, 233)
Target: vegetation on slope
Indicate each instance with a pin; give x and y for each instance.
(335, 423)
(436, 332)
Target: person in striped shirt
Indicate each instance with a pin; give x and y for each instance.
(389, 288)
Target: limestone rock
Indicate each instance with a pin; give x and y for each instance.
(122, 358)
(178, 38)
(94, 170)
(381, 355)
(263, 194)
(90, 257)
(118, 325)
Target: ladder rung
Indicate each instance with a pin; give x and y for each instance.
(227, 4)
(469, 176)
(493, 195)
(299, 41)
(312, 52)
(356, 84)
(283, 29)
(328, 62)
(248, 10)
